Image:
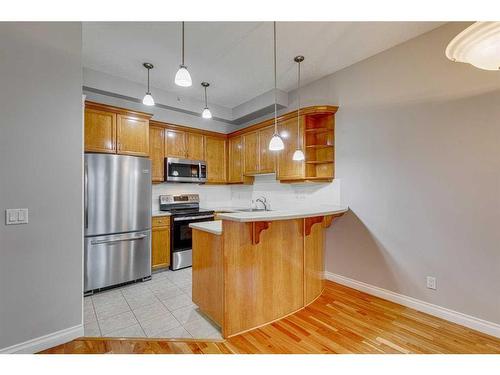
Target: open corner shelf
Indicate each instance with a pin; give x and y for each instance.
(319, 134)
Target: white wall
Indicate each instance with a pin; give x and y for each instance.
(418, 153)
(41, 163)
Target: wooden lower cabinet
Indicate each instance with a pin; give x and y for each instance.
(215, 157)
(208, 274)
(160, 243)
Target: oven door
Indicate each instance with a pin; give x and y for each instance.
(181, 246)
(185, 170)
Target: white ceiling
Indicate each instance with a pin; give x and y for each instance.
(236, 57)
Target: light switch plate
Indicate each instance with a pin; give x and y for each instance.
(16, 216)
(23, 216)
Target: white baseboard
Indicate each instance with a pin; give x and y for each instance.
(469, 321)
(45, 342)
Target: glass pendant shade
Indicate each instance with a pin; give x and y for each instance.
(478, 45)
(276, 143)
(298, 155)
(148, 99)
(206, 113)
(183, 78)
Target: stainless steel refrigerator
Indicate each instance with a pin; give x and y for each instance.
(117, 220)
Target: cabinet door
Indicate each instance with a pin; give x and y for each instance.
(288, 169)
(235, 169)
(160, 247)
(195, 149)
(267, 159)
(215, 156)
(156, 152)
(175, 144)
(100, 131)
(251, 153)
(132, 135)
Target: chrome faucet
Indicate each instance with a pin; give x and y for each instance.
(264, 202)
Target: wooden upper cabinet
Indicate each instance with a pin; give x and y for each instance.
(175, 144)
(116, 130)
(215, 156)
(235, 168)
(195, 149)
(267, 158)
(251, 153)
(288, 169)
(100, 131)
(156, 152)
(132, 135)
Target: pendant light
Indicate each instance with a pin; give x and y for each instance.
(298, 155)
(183, 78)
(276, 143)
(478, 45)
(148, 98)
(206, 112)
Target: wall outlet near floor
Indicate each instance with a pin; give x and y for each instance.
(431, 282)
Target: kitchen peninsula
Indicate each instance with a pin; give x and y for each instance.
(251, 268)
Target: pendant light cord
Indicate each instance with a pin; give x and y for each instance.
(148, 80)
(275, 86)
(298, 110)
(182, 43)
(206, 103)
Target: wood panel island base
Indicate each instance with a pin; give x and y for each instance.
(250, 269)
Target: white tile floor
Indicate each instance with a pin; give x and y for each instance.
(159, 308)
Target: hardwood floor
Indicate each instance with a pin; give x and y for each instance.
(342, 320)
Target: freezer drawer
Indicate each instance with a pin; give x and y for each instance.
(116, 259)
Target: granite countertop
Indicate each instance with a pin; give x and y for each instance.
(160, 213)
(214, 227)
(283, 214)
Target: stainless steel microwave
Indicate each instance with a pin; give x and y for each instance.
(185, 170)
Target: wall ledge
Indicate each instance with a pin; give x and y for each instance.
(468, 321)
(45, 342)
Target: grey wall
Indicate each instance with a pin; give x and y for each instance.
(41, 169)
(418, 155)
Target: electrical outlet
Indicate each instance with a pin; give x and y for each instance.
(431, 282)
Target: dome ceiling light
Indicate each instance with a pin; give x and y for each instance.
(478, 45)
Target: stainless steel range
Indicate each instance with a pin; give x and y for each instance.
(185, 209)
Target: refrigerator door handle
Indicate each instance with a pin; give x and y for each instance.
(100, 242)
(86, 195)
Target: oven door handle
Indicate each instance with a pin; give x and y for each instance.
(184, 218)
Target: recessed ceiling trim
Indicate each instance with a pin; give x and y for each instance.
(159, 105)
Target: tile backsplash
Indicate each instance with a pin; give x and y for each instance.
(280, 196)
